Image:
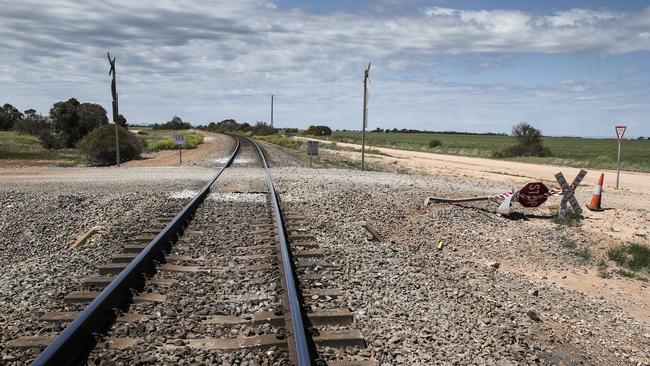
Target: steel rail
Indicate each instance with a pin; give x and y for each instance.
(303, 353)
(71, 343)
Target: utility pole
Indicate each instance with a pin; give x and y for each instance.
(115, 106)
(365, 118)
(271, 110)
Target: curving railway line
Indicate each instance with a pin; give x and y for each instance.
(230, 279)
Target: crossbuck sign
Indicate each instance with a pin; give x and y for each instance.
(569, 193)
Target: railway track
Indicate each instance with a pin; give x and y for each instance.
(230, 279)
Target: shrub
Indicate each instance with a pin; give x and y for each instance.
(315, 130)
(99, 145)
(570, 219)
(529, 143)
(434, 143)
(51, 140)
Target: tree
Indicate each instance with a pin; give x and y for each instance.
(91, 116)
(529, 143)
(73, 120)
(33, 124)
(527, 134)
(121, 120)
(263, 129)
(9, 115)
(65, 120)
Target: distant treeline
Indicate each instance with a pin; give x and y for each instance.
(175, 124)
(410, 130)
(230, 125)
(262, 128)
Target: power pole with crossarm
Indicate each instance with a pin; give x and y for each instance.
(111, 72)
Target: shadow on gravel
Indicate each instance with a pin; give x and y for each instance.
(515, 216)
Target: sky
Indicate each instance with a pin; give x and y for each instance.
(570, 68)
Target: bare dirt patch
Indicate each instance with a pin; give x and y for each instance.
(215, 146)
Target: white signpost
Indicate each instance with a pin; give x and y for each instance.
(620, 131)
(179, 140)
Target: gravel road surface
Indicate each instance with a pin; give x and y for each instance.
(500, 291)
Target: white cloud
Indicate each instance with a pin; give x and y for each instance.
(212, 58)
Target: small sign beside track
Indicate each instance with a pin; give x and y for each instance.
(179, 139)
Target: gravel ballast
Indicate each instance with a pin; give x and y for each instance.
(414, 303)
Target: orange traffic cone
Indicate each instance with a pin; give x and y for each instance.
(598, 193)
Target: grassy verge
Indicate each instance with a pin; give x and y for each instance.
(327, 162)
(570, 219)
(282, 141)
(17, 146)
(584, 254)
(571, 151)
(157, 140)
(635, 257)
(347, 164)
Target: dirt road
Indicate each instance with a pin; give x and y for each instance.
(502, 170)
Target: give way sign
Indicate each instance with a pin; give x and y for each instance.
(533, 194)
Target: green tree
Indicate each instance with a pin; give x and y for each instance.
(65, 120)
(529, 143)
(73, 120)
(121, 120)
(33, 124)
(9, 115)
(526, 134)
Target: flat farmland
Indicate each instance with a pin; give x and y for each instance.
(571, 151)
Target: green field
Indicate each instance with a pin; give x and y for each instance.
(16, 146)
(571, 151)
(162, 139)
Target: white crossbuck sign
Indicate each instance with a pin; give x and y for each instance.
(569, 193)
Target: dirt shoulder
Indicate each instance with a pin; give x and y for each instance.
(502, 170)
(215, 146)
(627, 217)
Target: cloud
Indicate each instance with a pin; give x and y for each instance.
(207, 58)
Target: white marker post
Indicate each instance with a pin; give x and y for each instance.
(179, 140)
(620, 131)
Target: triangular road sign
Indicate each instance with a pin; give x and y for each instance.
(620, 131)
